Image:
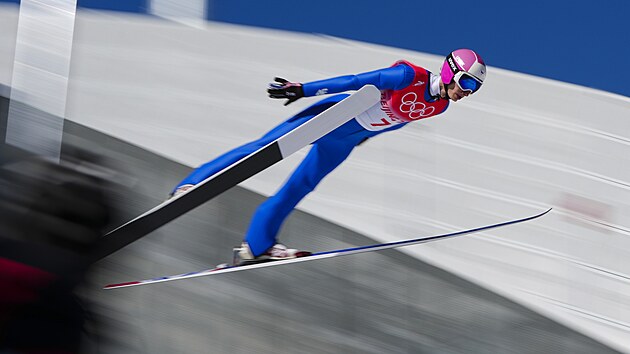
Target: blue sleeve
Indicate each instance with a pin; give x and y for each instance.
(393, 78)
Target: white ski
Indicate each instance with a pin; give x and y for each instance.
(321, 255)
(250, 165)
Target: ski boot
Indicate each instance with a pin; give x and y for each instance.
(180, 190)
(243, 254)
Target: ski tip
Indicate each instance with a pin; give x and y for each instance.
(374, 90)
(536, 216)
(121, 285)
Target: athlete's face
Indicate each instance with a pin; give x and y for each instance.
(454, 92)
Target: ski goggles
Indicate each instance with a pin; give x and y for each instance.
(467, 82)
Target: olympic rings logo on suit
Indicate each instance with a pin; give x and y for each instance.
(414, 109)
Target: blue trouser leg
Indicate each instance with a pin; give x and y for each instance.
(210, 168)
(325, 155)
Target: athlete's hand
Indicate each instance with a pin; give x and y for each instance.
(282, 88)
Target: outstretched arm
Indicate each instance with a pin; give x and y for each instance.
(392, 78)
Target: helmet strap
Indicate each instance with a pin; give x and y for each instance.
(445, 86)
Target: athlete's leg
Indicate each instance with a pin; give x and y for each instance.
(325, 155)
(210, 168)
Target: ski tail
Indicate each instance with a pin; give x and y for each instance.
(327, 254)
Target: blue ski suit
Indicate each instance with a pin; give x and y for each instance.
(332, 149)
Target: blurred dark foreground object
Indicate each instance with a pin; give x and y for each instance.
(51, 216)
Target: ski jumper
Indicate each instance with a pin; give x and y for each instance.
(405, 97)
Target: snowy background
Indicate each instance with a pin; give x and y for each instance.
(183, 90)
